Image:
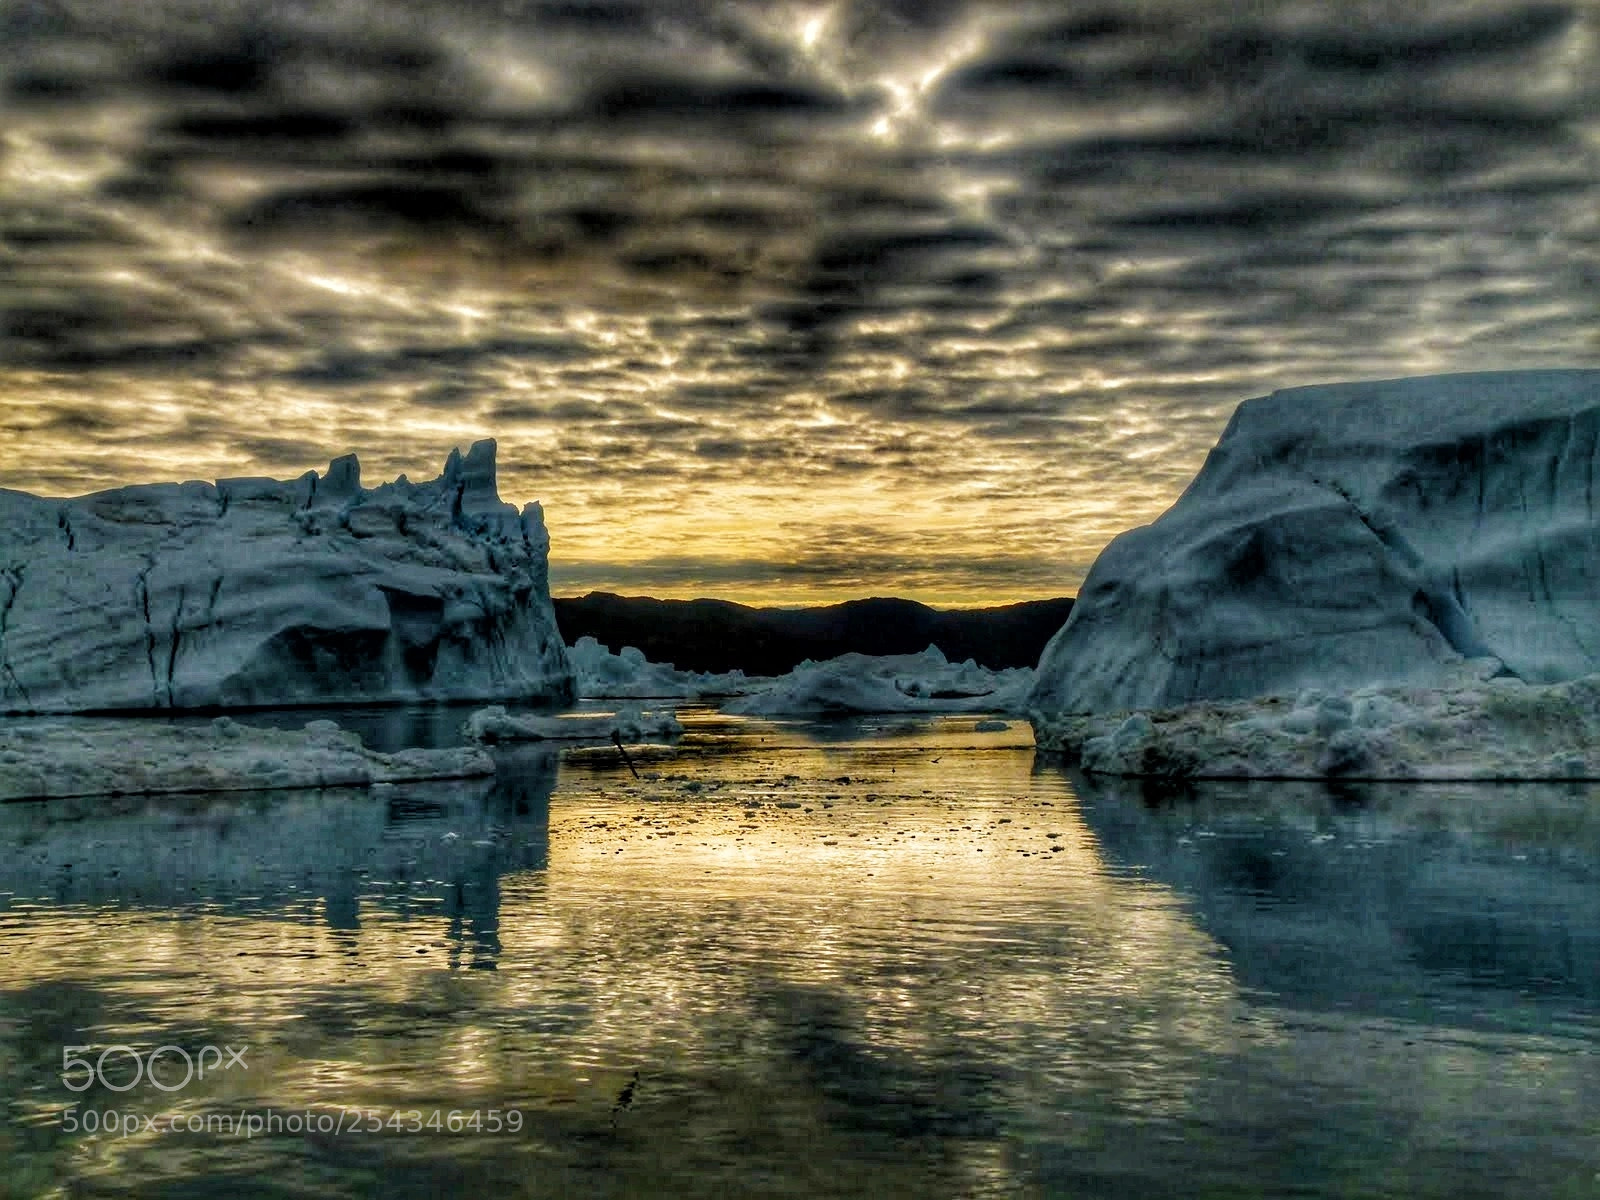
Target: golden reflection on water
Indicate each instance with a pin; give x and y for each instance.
(916, 909)
(897, 962)
(971, 891)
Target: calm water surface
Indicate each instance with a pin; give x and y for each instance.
(878, 958)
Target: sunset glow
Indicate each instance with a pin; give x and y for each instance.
(775, 302)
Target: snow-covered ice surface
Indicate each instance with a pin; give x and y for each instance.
(1484, 729)
(629, 723)
(891, 683)
(91, 756)
(1355, 534)
(254, 592)
(603, 675)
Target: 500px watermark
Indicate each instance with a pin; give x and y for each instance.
(249, 1123)
(121, 1068)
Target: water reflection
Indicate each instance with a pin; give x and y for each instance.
(904, 961)
(1426, 959)
(1382, 899)
(382, 727)
(260, 851)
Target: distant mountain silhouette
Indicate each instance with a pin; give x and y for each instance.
(718, 635)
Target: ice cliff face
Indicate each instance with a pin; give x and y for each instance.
(1355, 534)
(258, 592)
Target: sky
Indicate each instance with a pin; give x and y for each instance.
(780, 302)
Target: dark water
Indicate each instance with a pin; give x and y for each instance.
(882, 958)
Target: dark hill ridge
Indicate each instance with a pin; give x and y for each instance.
(718, 635)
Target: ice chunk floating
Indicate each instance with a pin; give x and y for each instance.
(253, 592)
(629, 675)
(93, 756)
(629, 723)
(1351, 535)
(888, 683)
(850, 683)
(1492, 729)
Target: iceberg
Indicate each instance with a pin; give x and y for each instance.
(629, 723)
(256, 592)
(602, 675)
(850, 683)
(1491, 729)
(888, 683)
(1411, 533)
(93, 756)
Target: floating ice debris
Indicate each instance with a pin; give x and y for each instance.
(628, 674)
(629, 724)
(93, 756)
(1484, 728)
(924, 682)
(860, 683)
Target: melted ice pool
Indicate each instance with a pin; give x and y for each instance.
(890, 957)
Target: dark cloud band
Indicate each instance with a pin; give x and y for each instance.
(961, 266)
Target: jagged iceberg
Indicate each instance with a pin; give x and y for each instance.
(1352, 534)
(256, 592)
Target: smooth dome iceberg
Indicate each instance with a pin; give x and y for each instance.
(1418, 533)
(1353, 534)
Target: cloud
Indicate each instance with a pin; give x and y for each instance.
(708, 105)
(128, 329)
(355, 367)
(281, 450)
(993, 275)
(421, 209)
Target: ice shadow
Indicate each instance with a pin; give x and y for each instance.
(277, 852)
(1481, 901)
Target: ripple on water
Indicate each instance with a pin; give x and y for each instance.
(901, 958)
